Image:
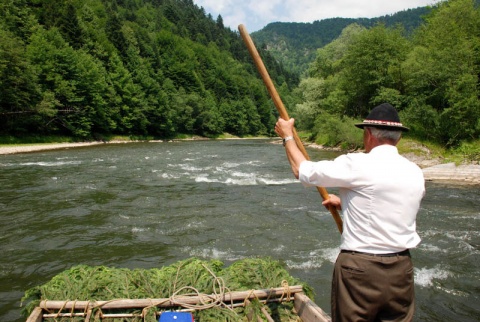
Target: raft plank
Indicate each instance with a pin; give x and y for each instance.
(308, 311)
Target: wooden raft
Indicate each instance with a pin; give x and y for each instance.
(306, 309)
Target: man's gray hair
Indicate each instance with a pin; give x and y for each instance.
(385, 135)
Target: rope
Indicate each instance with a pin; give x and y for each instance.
(61, 309)
(286, 290)
(246, 300)
(207, 301)
(73, 307)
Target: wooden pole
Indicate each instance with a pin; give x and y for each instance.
(283, 112)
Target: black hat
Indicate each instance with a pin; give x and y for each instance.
(383, 116)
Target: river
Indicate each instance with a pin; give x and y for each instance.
(145, 205)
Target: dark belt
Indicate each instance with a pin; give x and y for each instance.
(405, 252)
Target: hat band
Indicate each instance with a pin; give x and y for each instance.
(382, 122)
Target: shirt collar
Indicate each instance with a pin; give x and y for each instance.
(384, 148)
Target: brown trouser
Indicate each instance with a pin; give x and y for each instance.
(372, 288)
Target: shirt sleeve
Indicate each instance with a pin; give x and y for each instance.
(336, 173)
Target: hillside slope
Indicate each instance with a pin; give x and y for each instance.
(294, 44)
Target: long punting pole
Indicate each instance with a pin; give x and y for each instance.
(283, 112)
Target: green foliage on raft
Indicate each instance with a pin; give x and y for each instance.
(87, 283)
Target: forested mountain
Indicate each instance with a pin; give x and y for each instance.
(90, 68)
(294, 44)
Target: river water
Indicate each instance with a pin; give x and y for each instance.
(145, 205)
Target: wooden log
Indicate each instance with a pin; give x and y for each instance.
(64, 315)
(308, 311)
(248, 310)
(36, 315)
(268, 316)
(284, 299)
(169, 302)
(89, 315)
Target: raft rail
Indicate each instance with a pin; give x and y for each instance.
(306, 309)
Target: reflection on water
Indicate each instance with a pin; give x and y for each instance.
(146, 205)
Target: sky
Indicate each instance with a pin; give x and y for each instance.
(256, 14)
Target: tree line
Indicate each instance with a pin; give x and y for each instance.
(432, 77)
(91, 68)
(161, 68)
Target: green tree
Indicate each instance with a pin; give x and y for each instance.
(443, 69)
(322, 91)
(17, 17)
(162, 119)
(113, 29)
(373, 62)
(211, 120)
(19, 92)
(55, 65)
(329, 57)
(70, 27)
(72, 83)
(125, 99)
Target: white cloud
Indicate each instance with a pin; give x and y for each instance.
(256, 14)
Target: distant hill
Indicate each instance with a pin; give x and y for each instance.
(294, 44)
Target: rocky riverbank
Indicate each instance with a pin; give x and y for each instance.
(433, 169)
(25, 148)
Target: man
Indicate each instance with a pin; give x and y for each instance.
(380, 194)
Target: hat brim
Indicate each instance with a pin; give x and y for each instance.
(383, 126)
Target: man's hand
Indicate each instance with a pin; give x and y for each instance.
(333, 201)
(295, 156)
(284, 128)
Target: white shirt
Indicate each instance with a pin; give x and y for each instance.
(380, 192)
